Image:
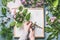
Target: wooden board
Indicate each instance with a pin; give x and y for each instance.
(37, 15)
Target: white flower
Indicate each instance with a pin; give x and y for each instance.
(13, 6)
(18, 3)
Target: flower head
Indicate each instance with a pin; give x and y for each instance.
(13, 6)
(52, 19)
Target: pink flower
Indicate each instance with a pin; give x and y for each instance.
(38, 4)
(13, 11)
(52, 19)
(23, 1)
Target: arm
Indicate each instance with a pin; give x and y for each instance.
(25, 32)
(23, 36)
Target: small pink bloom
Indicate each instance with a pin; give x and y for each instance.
(23, 0)
(52, 19)
(13, 11)
(14, 16)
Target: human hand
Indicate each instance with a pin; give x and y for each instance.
(27, 26)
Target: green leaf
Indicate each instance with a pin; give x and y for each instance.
(51, 36)
(4, 11)
(35, 1)
(20, 19)
(58, 25)
(56, 36)
(55, 3)
(6, 32)
(47, 18)
(20, 8)
(19, 24)
(9, 0)
(28, 17)
(25, 12)
(2, 24)
(9, 36)
(3, 31)
(4, 2)
(48, 29)
(12, 23)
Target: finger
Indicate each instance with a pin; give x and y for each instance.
(25, 23)
(30, 24)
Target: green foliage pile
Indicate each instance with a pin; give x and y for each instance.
(53, 27)
(6, 31)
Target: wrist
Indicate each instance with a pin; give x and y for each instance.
(26, 31)
(32, 38)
